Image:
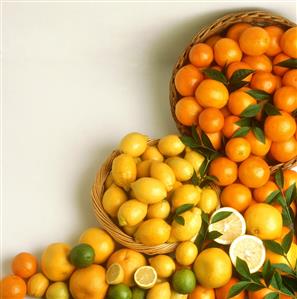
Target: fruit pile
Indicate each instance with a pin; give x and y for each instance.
(240, 90)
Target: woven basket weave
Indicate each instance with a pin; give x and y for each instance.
(259, 18)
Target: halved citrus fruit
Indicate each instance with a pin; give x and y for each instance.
(115, 274)
(145, 277)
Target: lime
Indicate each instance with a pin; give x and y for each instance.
(138, 293)
(184, 281)
(119, 291)
(82, 255)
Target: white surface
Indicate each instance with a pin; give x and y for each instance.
(76, 78)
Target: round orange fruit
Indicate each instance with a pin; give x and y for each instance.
(279, 70)
(226, 51)
(290, 78)
(238, 149)
(290, 177)
(187, 110)
(284, 151)
(275, 34)
(222, 292)
(12, 287)
(258, 63)
(24, 265)
(211, 120)
(238, 65)
(285, 98)
(258, 148)
(230, 126)
(239, 100)
(288, 42)
(235, 30)
(202, 293)
(201, 55)
(264, 81)
(212, 40)
(215, 139)
(261, 194)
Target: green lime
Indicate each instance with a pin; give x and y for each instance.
(184, 281)
(138, 293)
(82, 255)
(119, 291)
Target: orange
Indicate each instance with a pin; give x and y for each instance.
(187, 110)
(222, 292)
(254, 41)
(201, 55)
(290, 78)
(230, 126)
(278, 82)
(235, 30)
(258, 148)
(236, 196)
(88, 283)
(275, 34)
(288, 42)
(285, 231)
(280, 208)
(211, 120)
(187, 79)
(238, 65)
(261, 294)
(284, 151)
(263, 81)
(12, 287)
(216, 67)
(260, 194)
(224, 169)
(254, 172)
(285, 98)
(212, 93)
(130, 261)
(280, 127)
(279, 70)
(238, 149)
(239, 100)
(226, 51)
(258, 63)
(290, 177)
(212, 40)
(24, 265)
(202, 293)
(225, 111)
(215, 139)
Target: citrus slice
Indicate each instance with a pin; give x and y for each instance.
(115, 274)
(230, 227)
(145, 277)
(250, 249)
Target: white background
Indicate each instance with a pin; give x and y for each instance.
(76, 78)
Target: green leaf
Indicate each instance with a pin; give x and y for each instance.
(242, 268)
(215, 75)
(280, 199)
(180, 220)
(271, 109)
(236, 85)
(259, 95)
(259, 134)
(239, 75)
(195, 135)
(206, 141)
(220, 216)
(255, 287)
(194, 179)
(213, 235)
(205, 217)
(270, 198)
(290, 63)
(267, 272)
(273, 295)
(284, 268)
(241, 132)
(183, 208)
(211, 178)
(290, 194)
(202, 232)
(244, 122)
(279, 178)
(290, 283)
(251, 110)
(287, 220)
(276, 281)
(188, 141)
(294, 113)
(238, 288)
(274, 247)
(203, 168)
(287, 241)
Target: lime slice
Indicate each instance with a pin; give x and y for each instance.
(115, 274)
(145, 277)
(230, 227)
(250, 249)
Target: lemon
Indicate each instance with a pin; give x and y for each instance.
(250, 249)
(184, 281)
(112, 199)
(159, 291)
(109, 181)
(209, 200)
(213, 268)
(230, 227)
(134, 144)
(185, 194)
(137, 160)
(130, 230)
(123, 170)
(149, 190)
(186, 253)
(145, 277)
(115, 274)
(191, 227)
(37, 285)
(176, 185)
(264, 221)
(163, 173)
(131, 212)
(57, 290)
(159, 210)
(152, 153)
(153, 232)
(195, 159)
(182, 169)
(175, 295)
(143, 168)
(163, 264)
(170, 145)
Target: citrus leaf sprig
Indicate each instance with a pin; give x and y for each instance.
(290, 63)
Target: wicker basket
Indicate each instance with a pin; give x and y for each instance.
(259, 18)
(107, 223)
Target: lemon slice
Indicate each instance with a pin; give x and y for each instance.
(145, 277)
(250, 249)
(230, 227)
(115, 274)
